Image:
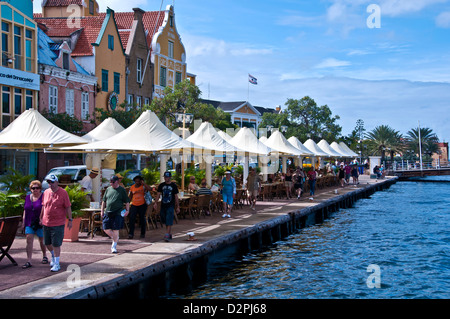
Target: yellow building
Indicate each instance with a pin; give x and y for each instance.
(168, 55)
(97, 47)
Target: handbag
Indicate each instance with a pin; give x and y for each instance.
(148, 198)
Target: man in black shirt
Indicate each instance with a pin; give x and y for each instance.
(169, 203)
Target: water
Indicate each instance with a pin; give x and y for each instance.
(404, 231)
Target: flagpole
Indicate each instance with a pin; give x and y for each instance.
(248, 90)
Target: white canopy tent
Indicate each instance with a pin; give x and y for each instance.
(32, 131)
(298, 145)
(279, 143)
(346, 148)
(208, 137)
(335, 146)
(147, 134)
(106, 129)
(315, 149)
(326, 147)
(224, 135)
(246, 140)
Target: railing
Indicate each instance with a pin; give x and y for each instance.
(406, 165)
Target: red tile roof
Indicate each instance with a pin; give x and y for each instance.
(91, 26)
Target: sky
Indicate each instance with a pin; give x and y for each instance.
(386, 62)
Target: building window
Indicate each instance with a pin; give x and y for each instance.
(177, 77)
(85, 105)
(105, 75)
(6, 107)
(139, 101)
(28, 99)
(5, 44)
(111, 42)
(17, 47)
(117, 82)
(91, 7)
(146, 101)
(162, 76)
(70, 109)
(17, 102)
(53, 99)
(28, 50)
(170, 50)
(139, 70)
(171, 21)
(66, 63)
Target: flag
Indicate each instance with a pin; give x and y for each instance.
(252, 79)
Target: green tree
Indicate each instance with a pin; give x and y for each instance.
(64, 121)
(186, 95)
(124, 114)
(428, 139)
(308, 120)
(384, 139)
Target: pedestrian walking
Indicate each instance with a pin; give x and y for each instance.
(253, 187)
(299, 177)
(168, 191)
(55, 208)
(228, 193)
(138, 205)
(312, 176)
(114, 199)
(31, 222)
(341, 175)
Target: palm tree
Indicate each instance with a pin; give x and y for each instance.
(384, 139)
(428, 139)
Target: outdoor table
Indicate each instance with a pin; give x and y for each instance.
(92, 212)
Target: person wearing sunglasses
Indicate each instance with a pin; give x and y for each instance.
(56, 207)
(31, 222)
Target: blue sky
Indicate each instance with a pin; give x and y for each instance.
(397, 75)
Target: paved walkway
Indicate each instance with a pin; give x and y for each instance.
(97, 264)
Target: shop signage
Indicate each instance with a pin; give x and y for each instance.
(19, 79)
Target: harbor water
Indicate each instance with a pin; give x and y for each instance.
(395, 244)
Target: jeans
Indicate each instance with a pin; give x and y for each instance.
(312, 187)
(141, 210)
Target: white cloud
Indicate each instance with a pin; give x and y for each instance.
(443, 20)
(400, 7)
(332, 63)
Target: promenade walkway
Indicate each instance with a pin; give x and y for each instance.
(97, 264)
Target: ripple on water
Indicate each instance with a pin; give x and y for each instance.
(403, 230)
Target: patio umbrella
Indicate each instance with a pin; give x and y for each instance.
(32, 131)
(326, 147)
(346, 148)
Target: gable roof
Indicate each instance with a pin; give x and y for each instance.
(91, 27)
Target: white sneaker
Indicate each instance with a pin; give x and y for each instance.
(113, 250)
(228, 216)
(56, 267)
(224, 215)
(52, 261)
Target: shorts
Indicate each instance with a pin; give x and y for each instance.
(227, 198)
(54, 235)
(298, 185)
(167, 215)
(38, 232)
(253, 193)
(288, 184)
(112, 221)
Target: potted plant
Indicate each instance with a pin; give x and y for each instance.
(78, 201)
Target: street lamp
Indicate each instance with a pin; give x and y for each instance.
(185, 118)
(283, 128)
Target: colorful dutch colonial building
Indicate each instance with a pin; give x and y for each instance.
(19, 81)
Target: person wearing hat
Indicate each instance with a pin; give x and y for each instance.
(138, 205)
(56, 207)
(86, 182)
(228, 193)
(168, 191)
(114, 199)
